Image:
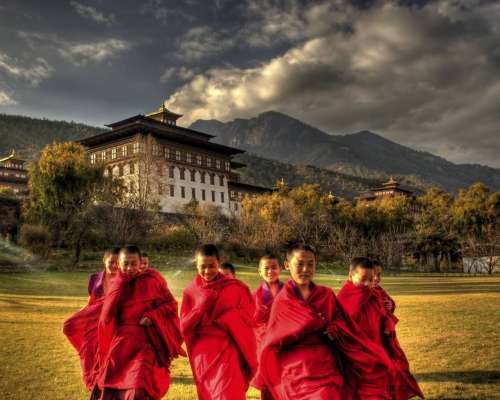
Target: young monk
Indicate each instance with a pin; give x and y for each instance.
(307, 334)
(99, 281)
(81, 328)
(216, 321)
(138, 333)
(228, 270)
(404, 385)
(269, 271)
(144, 262)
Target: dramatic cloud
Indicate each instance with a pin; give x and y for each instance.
(93, 14)
(422, 73)
(425, 76)
(39, 71)
(81, 53)
(6, 99)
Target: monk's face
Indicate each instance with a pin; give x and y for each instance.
(111, 264)
(269, 270)
(227, 272)
(207, 266)
(129, 263)
(144, 264)
(362, 276)
(377, 275)
(302, 266)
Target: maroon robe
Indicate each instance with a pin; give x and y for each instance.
(404, 386)
(216, 321)
(129, 359)
(310, 344)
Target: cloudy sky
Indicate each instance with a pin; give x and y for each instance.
(425, 74)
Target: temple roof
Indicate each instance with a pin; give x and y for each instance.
(248, 186)
(12, 157)
(143, 124)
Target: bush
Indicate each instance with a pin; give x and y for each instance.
(176, 237)
(36, 238)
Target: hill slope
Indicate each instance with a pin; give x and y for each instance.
(364, 154)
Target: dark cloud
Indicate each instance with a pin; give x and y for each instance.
(426, 74)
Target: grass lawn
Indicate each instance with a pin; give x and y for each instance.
(449, 327)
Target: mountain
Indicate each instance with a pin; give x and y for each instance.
(29, 135)
(363, 154)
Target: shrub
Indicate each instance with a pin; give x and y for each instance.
(36, 238)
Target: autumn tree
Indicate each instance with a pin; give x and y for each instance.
(64, 187)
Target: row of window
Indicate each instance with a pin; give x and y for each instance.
(10, 164)
(13, 174)
(204, 177)
(158, 150)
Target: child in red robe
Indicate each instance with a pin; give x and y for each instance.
(216, 321)
(138, 334)
(81, 328)
(228, 270)
(311, 351)
(404, 386)
(269, 270)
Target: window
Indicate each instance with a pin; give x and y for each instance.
(212, 179)
(135, 148)
(188, 158)
(177, 155)
(228, 166)
(209, 162)
(183, 192)
(202, 177)
(124, 151)
(132, 168)
(160, 189)
(141, 147)
(233, 194)
(235, 206)
(221, 180)
(198, 160)
(182, 171)
(193, 175)
(160, 170)
(203, 194)
(172, 190)
(193, 193)
(113, 153)
(156, 150)
(103, 155)
(217, 164)
(222, 197)
(171, 172)
(93, 158)
(166, 152)
(213, 196)
(120, 170)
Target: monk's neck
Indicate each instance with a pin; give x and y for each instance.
(273, 287)
(305, 290)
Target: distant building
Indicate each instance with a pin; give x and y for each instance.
(390, 188)
(13, 174)
(176, 164)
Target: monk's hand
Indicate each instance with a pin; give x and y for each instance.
(387, 304)
(332, 330)
(145, 321)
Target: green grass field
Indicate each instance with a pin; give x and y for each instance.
(449, 327)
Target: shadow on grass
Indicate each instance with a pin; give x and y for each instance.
(473, 377)
(182, 380)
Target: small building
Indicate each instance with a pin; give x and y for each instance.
(175, 165)
(390, 188)
(13, 174)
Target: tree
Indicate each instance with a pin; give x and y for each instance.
(64, 187)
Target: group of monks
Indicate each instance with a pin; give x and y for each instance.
(292, 340)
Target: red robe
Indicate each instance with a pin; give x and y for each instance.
(132, 356)
(263, 302)
(299, 360)
(81, 331)
(216, 321)
(404, 385)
